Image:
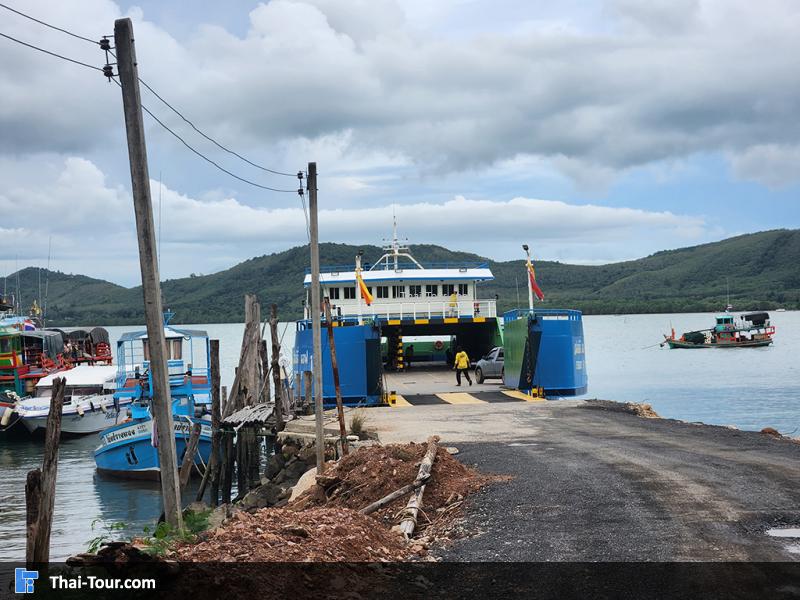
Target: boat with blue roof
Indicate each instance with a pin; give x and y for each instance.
(130, 448)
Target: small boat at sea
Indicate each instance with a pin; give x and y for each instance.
(748, 330)
(129, 449)
(89, 403)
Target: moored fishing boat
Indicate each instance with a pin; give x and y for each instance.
(129, 448)
(26, 356)
(749, 330)
(89, 403)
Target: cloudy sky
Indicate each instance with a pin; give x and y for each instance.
(595, 131)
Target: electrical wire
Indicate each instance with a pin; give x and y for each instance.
(210, 139)
(22, 14)
(72, 60)
(205, 158)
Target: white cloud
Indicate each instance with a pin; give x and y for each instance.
(671, 80)
(93, 231)
(776, 165)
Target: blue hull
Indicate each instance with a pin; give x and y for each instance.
(545, 348)
(126, 450)
(358, 354)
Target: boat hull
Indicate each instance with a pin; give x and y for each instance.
(90, 419)
(127, 451)
(676, 344)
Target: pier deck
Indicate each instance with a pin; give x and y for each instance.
(596, 485)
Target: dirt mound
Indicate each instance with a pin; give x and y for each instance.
(281, 535)
(369, 474)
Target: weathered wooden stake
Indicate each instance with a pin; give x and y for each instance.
(151, 286)
(213, 469)
(40, 487)
(276, 369)
(188, 456)
(409, 521)
(309, 402)
(337, 387)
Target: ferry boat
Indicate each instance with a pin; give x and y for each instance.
(749, 330)
(397, 298)
(129, 448)
(89, 403)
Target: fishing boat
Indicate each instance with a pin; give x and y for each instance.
(26, 356)
(748, 330)
(129, 449)
(89, 403)
(86, 345)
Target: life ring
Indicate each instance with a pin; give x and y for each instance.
(438, 344)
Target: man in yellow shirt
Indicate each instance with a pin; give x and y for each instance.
(461, 366)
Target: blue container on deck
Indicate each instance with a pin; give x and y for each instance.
(358, 355)
(545, 348)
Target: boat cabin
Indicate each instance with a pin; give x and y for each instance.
(26, 356)
(403, 288)
(188, 361)
(83, 380)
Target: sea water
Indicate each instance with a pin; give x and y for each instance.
(748, 388)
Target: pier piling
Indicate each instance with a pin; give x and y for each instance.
(40, 487)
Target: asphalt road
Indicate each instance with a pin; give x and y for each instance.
(595, 485)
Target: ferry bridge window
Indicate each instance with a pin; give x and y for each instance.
(463, 289)
(448, 289)
(431, 290)
(383, 291)
(350, 293)
(415, 291)
(398, 291)
(333, 293)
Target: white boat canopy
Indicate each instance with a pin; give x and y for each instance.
(82, 375)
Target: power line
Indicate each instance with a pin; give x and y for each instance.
(72, 60)
(22, 14)
(212, 140)
(205, 158)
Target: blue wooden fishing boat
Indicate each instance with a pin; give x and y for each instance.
(130, 448)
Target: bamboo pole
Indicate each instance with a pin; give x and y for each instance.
(389, 498)
(307, 385)
(40, 489)
(409, 521)
(337, 387)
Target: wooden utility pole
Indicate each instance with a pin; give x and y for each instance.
(151, 285)
(316, 326)
(276, 367)
(40, 487)
(335, 368)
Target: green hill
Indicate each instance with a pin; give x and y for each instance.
(763, 270)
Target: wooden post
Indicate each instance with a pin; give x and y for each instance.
(316, 326)
(335, 367)
(40, 487)
(213, 468)
(151, 286)
(307, 391)
(263, 356)
(276, 368)
(409, 521)
(33, 501)
(188, 456)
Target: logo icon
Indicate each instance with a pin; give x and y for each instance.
(23, 580)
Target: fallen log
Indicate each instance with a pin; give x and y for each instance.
(394, 496)
(409, 521)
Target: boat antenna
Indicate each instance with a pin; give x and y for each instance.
(18, 309)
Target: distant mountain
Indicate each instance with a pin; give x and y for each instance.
(763, 271)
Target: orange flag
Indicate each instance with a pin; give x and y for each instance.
(364, 289)
(534, 286)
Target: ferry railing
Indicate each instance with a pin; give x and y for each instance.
(544, 313)
(431, 309)
(401, 266)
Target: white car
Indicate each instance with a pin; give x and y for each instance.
(490, 366)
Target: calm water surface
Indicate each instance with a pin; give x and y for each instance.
(749, 388)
